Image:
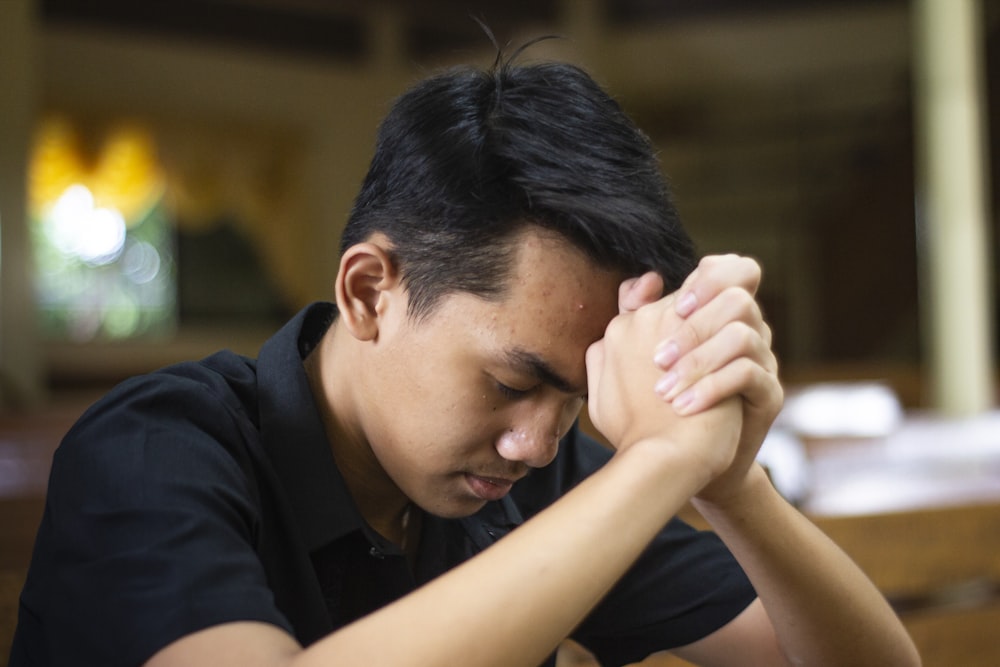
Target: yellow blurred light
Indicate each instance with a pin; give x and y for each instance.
(56, 163)
(124, 174)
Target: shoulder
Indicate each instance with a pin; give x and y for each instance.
(153, 518)
(196, 392)
(194, 419)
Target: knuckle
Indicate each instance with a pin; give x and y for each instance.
(736, 339)
(747, 371)
(594, 355)
(746, 338)
(739, 304)
(615, 328)
(740, 301)
(751, 266)
(778, 394)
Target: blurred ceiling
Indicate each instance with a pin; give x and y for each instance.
(787, 125)
(340, 29)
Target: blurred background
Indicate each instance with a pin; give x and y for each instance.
(174, 176)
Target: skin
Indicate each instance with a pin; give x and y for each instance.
(418, 414)
(453, 409)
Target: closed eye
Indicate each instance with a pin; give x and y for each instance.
(510, 393)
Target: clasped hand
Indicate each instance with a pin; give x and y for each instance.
(694, 369)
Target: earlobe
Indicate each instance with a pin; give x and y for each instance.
(367, 273)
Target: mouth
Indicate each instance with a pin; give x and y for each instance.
(489, 488)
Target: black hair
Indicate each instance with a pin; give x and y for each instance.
(467, 158)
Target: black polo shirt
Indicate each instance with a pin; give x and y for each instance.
(207, 492)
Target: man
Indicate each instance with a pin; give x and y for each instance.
(397, 479)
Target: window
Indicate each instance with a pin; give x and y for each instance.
(102, 242)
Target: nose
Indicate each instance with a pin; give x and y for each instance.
(531, 448)
(534, 441)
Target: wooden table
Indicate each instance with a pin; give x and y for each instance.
(919, 511)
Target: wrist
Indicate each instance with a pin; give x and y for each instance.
(666, 465)
(736, 496)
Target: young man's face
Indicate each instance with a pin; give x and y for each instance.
(478, 392)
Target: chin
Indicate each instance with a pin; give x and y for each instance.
(457, 508)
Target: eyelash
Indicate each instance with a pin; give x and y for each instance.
(510, 393)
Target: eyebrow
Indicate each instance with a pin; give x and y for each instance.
(533, 364)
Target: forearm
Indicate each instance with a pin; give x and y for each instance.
(512, 604)
(824, 610)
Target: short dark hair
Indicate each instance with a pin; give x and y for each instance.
(468, 157)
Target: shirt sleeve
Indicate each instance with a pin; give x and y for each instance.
(149, 528)
(683, 587)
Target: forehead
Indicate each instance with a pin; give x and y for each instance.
(556, 303)
(553, 283)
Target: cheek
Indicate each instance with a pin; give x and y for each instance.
(441, 426)
(571, 412)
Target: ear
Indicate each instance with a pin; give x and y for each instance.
(365, 281)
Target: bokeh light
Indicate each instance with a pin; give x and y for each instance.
(103, 244)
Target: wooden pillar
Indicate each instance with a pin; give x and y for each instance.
(21, 377)
(953, 234)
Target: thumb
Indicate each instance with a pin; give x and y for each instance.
(635, 293)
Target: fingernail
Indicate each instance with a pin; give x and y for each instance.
(686, 304)
(666, 383)
(683, 402)
(666, 354)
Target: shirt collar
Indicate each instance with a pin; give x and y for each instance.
(293, 434)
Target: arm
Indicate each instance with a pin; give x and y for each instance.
(485, 611)
(823, 609)
(815, 605)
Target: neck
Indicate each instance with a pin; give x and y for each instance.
(382, 504)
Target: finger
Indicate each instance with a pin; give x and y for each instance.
(760, 389)
(635, 293)
(735, 341)
(713, 275)
(732, 305)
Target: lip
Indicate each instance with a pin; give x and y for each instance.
(489, 488)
